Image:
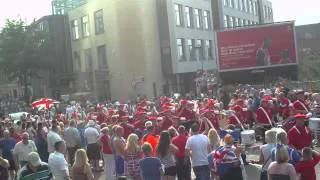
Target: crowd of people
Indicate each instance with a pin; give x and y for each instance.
(165, 138)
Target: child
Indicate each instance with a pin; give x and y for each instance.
(306, 167)
(151, 168)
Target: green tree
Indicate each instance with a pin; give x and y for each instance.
(21, 52)
(309, 68)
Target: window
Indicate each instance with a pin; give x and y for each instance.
(75, 29)
(98, 22)
(231, 3)
(225, 19)
(102, 57)
(250, 6)
(240, 5)
(209, 55)
(88, 59)
(236, 4)
(245, 5)
(85, 26)
(264, 11)
(178, 14)
(191, 49)
(230, 21)
(197, 14)
(225, 2)
(200, 49)
(77, 60)
(188, 12)
(240, 21)
(236, 22)
(244, 22)
(206, 18)
(180, 50)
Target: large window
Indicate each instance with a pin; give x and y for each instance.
(230, 21)
(209, 55)
(180, 50)
(75, 29)
(245, 5)
(191, 49)
(85, 26)
(225, 2)
(255, 6)
(98, 22)
(240, 5)
(240, 21)
(200, 49)
(236, 4)
(178, 14)
(250, 6)
(231, 3)
(102, 57)
(77, 60)
(88, 59)
(188, 13)
(244, 22)
(206, 19)
(236, 22)
(225, 20)
(265, 11)
(197, 14)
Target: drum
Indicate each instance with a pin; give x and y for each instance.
(248, 137)
(314, 125)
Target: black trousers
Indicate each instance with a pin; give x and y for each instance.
(183, 169)
(71, 154)
(234, 174)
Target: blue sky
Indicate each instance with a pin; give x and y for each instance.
(303, 11)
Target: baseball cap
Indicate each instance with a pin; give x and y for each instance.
(34, 159)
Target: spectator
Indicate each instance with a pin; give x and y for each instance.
(197, 147)
(306, 167)
(183, 163)
(42, 145)
(53, 137)
(4, 165)
(81, 169)
(281, 169)
(151, 168)
(165, 151)
(72, 138)
(22, 149)
(34, 169)
(57, 163)
(81, 128)
(132, 156)
(214, 139)
(91, 135)
(108, 156)
(6, 145)
(119, 145)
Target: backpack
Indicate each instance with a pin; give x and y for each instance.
(224, 159)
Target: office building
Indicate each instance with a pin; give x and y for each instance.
(239, 13)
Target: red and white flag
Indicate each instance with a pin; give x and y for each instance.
(43, 103)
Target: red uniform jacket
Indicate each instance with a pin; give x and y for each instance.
(189, 115)
(300, 105)
(299, 137)
(262, 117)
(284, 107)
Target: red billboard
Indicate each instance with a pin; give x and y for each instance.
(257, 47)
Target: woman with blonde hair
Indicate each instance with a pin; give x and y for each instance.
(214, 139)
(132, 155)
(81, 169)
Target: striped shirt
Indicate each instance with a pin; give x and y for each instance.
(43, 173)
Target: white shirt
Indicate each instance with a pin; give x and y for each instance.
(91, 134)
(198, 144)
(22, 150)
(266, 152)
(72, 137)
(52, 138)
(57, 164)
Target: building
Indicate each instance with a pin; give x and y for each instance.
(60, 7)
(308, 39)
(238, 13)
(58, 78)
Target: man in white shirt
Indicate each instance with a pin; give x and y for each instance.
(197, 147)
(72, 138)
(22, 149)
(91, 135)
(53, 137)
(57, 163)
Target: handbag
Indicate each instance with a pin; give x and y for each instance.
(264, 174)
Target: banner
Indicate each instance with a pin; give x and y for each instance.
(257, 47)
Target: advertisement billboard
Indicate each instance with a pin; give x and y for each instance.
(257, 47)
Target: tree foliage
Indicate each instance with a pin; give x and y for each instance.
(21, 49)
(309, 68)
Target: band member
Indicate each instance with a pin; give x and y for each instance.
(284, 109)
(300, 136)
(186, 111)
(237, 117)
(264, 113)
(300, 105)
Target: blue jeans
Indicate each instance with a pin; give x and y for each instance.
(202, 172)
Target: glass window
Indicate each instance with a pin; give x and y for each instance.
(231, 3)
(209, 54)
(180, 50)
(77, 59)
(225, 2)
(230, 21)
(264, 11)
(88, 59)
(255, 5)
(250, 6)
(240, 21)
(241, 5)
(98, 22)
(245, 5)
(85, 26)
(75, 29)
(200, 49)
(244, 22)
(206, 19)
(188, 12)
(191, 49)
(178, 14)
(236, 4)
(102, 57)
(197, 14)
(236, 22)
(225, 19)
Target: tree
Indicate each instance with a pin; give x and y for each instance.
(21, 47)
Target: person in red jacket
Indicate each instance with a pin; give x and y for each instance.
(264, 114)
(299, 136)
(306, 167)
(300, 105)
(284, 109)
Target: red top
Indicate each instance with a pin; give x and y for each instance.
(180, 141)
(101, 117)
(106, 144)
(299, 137)
(284, 107)
(262, 117)
(307, 169)
(165, 124)
(189, 115)
(300, 105)
(138, 125)
(126, 130)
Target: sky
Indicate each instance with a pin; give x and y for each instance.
(302, 11)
